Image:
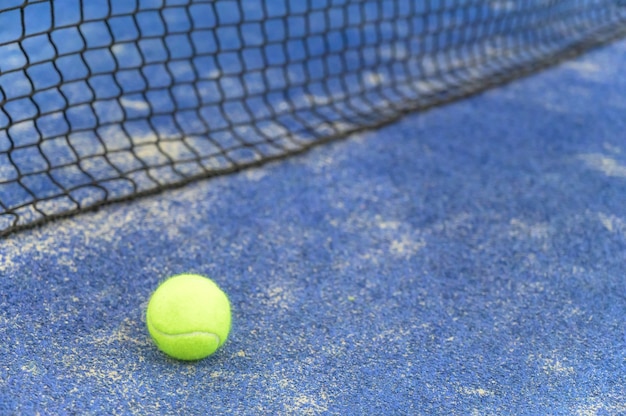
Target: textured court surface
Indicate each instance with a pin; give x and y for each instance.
(466, 260)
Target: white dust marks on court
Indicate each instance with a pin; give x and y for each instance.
(404, 242)
(280, 293)
(594, 406)
(7, 172)
(374, 79)
(6, 259)
(302, 404)
(135, 104)
(128, 334)
(475, 391)
(613, 223)
(255, 174)
(389, 237)
(35, 246)
(278, 296)
(104, 228)
(12, 57)
(587, 69)
(539, 232)
(606, 164)
(81, 370)
(556, 366)
(598, 69)
(503, 5)
(114, 374)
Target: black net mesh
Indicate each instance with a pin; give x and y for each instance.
(104, 100)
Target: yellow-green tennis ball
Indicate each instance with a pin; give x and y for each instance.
(188, 317)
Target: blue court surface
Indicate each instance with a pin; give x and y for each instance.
(468, 260)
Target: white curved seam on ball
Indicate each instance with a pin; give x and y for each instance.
(187, 334)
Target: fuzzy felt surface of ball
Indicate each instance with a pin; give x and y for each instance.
(189, 317)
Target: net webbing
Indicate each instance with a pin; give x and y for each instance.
(105, 100)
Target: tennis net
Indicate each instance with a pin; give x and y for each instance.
(106, 100)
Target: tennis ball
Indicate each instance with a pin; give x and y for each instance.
(188, 317)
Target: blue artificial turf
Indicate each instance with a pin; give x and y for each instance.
(465, 260)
